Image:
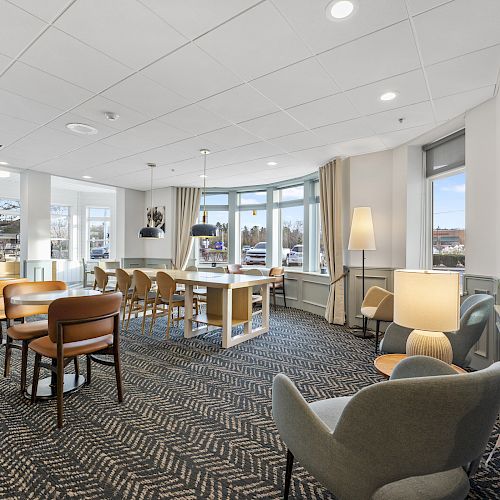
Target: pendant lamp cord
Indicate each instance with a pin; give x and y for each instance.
(204, 183)
(151, 187)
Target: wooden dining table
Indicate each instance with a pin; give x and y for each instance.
(229, 302)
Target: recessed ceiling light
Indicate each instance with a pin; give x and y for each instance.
(203, 176)
(271, 163)
(3, 163)
(339, 9)
(111, 116)
(86, 177)
(388, 96)
(4, 174)
(81, 128)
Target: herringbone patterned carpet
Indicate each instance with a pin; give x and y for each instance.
(196, 422)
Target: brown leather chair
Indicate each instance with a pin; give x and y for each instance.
(79, 326)
(101, 279)
(27, 331)
(3, 284)
(279, 284)
(142, 297)
(124, 285)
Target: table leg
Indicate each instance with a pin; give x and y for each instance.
(189, 331)
(265, 307)
(227, 316)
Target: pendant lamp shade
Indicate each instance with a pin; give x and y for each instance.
(204, 229)
(146, 231)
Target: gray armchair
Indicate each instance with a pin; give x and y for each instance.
(474, 314)
(405, 438)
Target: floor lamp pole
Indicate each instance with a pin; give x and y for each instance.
(365, 334)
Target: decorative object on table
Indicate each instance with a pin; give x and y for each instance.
(377, 305)
(362, 238)
(428, 302)
(153, 231)
(475, 312)
(204, 229)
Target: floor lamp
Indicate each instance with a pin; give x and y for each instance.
(362, 238)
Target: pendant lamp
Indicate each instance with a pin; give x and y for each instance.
(151, 232)
(204, 229)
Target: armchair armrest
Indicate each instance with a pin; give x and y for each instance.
(421, 366)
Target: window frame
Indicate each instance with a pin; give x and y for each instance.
(89, 219)
(69, 229)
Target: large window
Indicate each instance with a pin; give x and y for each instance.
(291, 202)
(213, 251)
(98, 230)
(253, 237)
(10, 220)
(59, 231)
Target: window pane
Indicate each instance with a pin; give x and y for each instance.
(99, 239)
(448, 222)
(253, 237)
(292, 235)
(292, 193)
(322, 256)
(10, 221)
(59, 232)
(215, 249)
(99, 212)
(216, 199)
(259, 197)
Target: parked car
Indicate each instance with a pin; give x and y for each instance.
(295, 256)
(99, 253)
(257, 254)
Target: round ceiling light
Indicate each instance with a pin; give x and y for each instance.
(339, 9)
(388, 96)
(4, 174)
(81, 128)
(271, 163)
(86, 177)
(4, 163)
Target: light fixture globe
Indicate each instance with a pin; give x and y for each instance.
(146, 231)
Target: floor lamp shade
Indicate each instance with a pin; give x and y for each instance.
(428, 302)
(362, 236)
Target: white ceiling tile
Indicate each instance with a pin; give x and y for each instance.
(4, 62)
(194, 119)
(339, 132)
(298, 141)
(411, 88)
(413, 116)
(119, 168)
(296, 84)
(123, 29)
(146, 136)
(15, 126)
(195, 17)
(332, 109)
(399, 137)
(273, 125)
(418, 6)
(243, 153)
(26, 109)
(464, 73)
(95, 108)
(165, 155)
(240, 104)
(454, 105)
(65, 57)
(457, 28)
(255, 43)
(144, 95)
(192, 73)
(380, 55)
(30, 82)
(44, 10)
(17, 29)
(309, 18)
(361, 146)
(229, 137)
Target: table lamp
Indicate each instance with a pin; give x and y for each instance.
(362, 238)
(428, 302)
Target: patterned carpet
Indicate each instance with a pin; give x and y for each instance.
(196, 421)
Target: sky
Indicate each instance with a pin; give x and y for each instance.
(449, 202)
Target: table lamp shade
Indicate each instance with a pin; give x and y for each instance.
(362, 236)
(427, 300)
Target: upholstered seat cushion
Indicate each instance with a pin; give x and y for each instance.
(46, 347)
(449, 485)
(29, 330)
(369, 312)
(175, 298)
(329, 410)
(151, 296)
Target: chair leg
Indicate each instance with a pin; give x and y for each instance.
(274, 295)
(376, 336)
(169, 314)
(130, 312)
(118, 372)
(36, 376)
(153, 318)
(24, 364)
(288, 473)
(89, 370)
(284, 294)
(8, 356)
(144, 311)
(77, 366)
(60, 392)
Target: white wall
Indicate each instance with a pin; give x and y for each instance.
(130, 218)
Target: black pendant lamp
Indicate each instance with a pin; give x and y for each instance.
(151, 232)
(204, 230)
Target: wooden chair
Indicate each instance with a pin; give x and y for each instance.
(3, 284)
(191, 268)
(124, 285)
(166, 296)
(86, 271)
(278, 273)
(79, 326)
(142, 297)
(25, 332)
(101, 280)
(256, 292)
(234, 269)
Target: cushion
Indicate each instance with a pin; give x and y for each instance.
(46, 347)
(175, 298)
(369, 312)
(28, 330)
(449, 485)
(330, 410)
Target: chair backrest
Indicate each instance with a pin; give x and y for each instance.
(142, 284)
(101, 278)
(391, 430)
(15, 311)
(474, 314)
(3, 284)
(234, 268)
(191, 268)
(278, 272)
(166, 284)
(253, 272)
(123, 280)
(92, 316)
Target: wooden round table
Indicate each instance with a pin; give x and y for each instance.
(72, 382)
(385, 364)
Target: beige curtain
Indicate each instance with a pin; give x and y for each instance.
(330, 183)
(187, 210)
